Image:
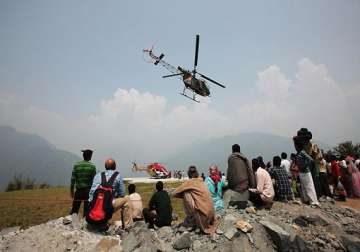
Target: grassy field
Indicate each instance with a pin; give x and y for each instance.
(30, 207)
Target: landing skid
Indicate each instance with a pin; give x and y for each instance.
(191, 98)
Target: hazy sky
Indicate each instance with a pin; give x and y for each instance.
(73, 72)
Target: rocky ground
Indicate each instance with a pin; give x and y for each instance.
(286, 227)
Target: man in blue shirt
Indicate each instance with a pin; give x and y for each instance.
(121, 202)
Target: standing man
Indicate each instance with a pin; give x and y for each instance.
(81, 179)
(285, 163)
(313, 150)
(240, 178)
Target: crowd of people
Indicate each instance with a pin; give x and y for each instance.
(309, 175)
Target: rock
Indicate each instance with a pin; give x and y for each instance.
(296, 227)
(116, 248)
(181, 229)
(298, 244)
(164, 232)
(75, 221)
(230, 232)
(280, 237)
(183, 242)
(314, 219)
(9, 230)
(346, 221)
(219, 232)
(140, 224)
(147, 247)
(320, 242)
(260, 239)
(129, 242)
(105, 245)
(332, 236)
(196, 245)
(243, 226)
(228, 222)
(67, 220)
(242, 244)
(250, 210)
(351, 243)
(297, 202)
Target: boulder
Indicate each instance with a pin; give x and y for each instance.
(147, 246)
(196, 245)
(183, 242)
(279, 236)
(230, 232)
(129, 242)
(351, 243)
(9, 230)
(313, 219)
(75, 221)
(165, 232)
(105, 244)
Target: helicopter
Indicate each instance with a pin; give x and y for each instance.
(155, 170)
(191, 81)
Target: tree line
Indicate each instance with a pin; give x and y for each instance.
(18, 182)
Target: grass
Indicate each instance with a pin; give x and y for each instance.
(31, 207)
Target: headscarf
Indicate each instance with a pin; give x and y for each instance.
(214, 175)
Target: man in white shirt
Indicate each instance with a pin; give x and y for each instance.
(136, 203)
(285, 163)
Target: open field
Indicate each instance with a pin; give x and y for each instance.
(30, 207)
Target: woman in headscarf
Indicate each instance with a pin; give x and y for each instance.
(215, 185)
(346, 177)
(198, 204)
(355, 175)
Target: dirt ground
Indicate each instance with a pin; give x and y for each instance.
(354, 203)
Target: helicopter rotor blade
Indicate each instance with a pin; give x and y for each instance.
(172, 75)
(215, 82)
(196, 51)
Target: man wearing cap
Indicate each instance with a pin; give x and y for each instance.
(81, 179)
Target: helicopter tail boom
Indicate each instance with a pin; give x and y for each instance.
(158, 59)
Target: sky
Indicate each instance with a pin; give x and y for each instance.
(73, 72)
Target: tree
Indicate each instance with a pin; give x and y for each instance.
(347, 148)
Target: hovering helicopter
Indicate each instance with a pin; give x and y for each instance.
(191, 81)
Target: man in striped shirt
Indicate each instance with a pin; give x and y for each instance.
(81, 179)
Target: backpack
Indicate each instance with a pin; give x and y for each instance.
(101, 208)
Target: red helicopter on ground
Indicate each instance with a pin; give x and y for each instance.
(155, 170)
(189, 78)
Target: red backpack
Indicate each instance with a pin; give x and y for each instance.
(101, 208)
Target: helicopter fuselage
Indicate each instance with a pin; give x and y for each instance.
(197, 85)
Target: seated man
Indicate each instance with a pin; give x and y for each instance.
(240, 178)
(120, 202)
(198, 204)
(160, 209)
(136, 203)
(282, 184)
(263, 194)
